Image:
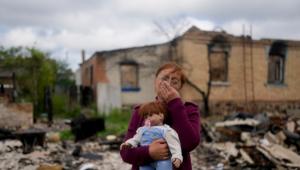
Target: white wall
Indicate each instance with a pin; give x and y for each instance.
(108, 97)
(148, 59)
(78, 77)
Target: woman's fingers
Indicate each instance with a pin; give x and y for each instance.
(167, 86)
(165, 152)
(167, 92)
(158, 149)
(163, 91)
(165, 157)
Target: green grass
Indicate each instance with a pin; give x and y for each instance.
(61, 108)
(116, 122)
(66, 135)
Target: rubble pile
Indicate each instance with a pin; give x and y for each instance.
(260, 141)
(40, 147)
(65, 155)
(239, 141)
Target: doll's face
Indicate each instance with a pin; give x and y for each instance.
(155, 118)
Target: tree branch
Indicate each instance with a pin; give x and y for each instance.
(193, 85)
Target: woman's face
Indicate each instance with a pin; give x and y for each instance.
(167, 75)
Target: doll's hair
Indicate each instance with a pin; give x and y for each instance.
(152, 107)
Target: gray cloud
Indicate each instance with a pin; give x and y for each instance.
(67, 26)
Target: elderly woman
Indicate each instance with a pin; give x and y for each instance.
(183, 117)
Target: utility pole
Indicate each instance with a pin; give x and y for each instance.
(244, 69)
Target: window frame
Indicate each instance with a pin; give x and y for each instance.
(276, 52)
(225, 65)
(136, 88)
(219, 46)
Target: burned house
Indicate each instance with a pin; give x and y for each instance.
(7, 84)
(242, 73)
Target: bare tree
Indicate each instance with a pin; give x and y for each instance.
(172, 28)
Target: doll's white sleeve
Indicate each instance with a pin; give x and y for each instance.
(174, 143)
(135, 140)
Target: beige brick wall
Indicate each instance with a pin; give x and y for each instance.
(192, 50)
(194, 53)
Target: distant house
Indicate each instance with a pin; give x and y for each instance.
(7, 84)
(262, 73)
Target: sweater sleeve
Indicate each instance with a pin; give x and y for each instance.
(139, 155)
(186, 122)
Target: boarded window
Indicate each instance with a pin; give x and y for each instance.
(218, 50)
(276, 62)
(275, 70)
(129, 76)
(218, 66)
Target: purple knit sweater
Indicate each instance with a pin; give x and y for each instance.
(184, 118)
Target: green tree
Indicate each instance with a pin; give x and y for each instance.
(34, 71)
(64, 75)
(63, 102)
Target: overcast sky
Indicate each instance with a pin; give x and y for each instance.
(65, 27)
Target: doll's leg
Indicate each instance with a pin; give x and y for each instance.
(164, 165)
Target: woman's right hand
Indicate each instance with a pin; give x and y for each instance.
(159, 150)
(166, 92)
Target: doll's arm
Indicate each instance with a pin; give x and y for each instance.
(174, 144)
(135, 140)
